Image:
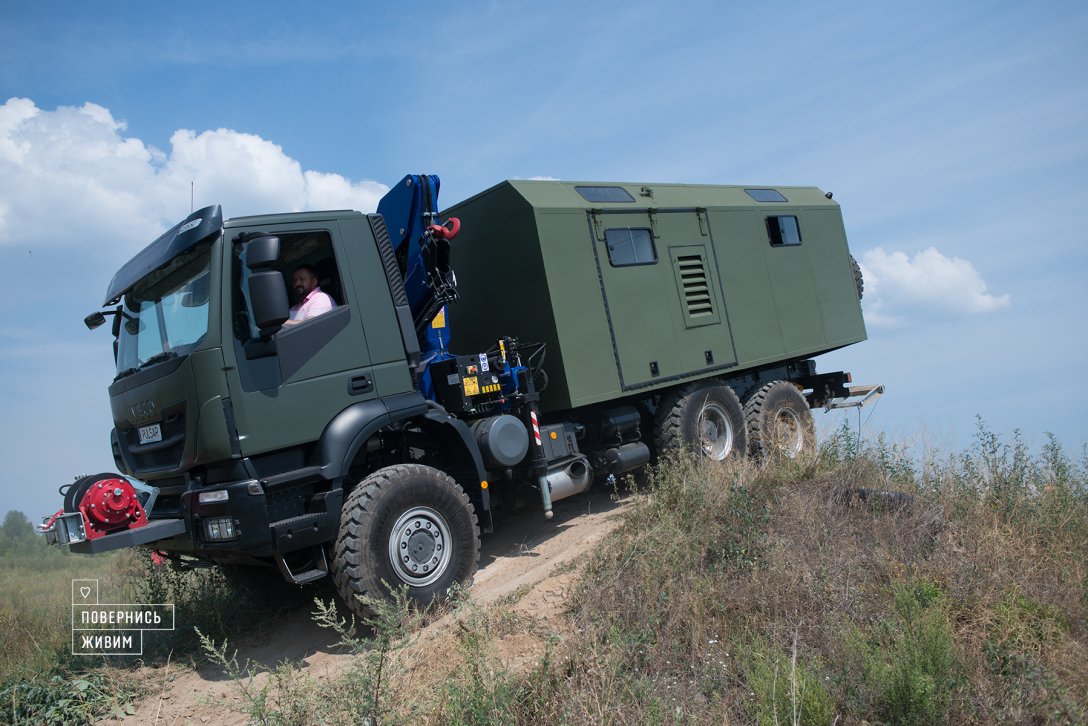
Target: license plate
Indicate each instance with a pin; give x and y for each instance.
(150, 434)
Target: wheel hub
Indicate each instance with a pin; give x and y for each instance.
(419, 546)
(788, 432)
(715, 432)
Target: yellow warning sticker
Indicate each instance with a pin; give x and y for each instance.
(440, 319)
(472, 386)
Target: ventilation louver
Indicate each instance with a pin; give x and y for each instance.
(697, 296)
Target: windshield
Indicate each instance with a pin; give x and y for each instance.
(165, 314)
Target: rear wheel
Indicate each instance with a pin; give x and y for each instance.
(706, 416)
(779, 421)
(405, 525)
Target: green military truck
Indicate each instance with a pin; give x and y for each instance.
(587, 327)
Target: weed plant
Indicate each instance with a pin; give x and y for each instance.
(218, 603)
(285, 694)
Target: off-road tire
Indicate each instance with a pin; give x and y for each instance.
(779, 422)
(859, 281)
(704, 416)
(419, 498)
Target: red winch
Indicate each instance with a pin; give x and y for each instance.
(107, 502)
(109, 505)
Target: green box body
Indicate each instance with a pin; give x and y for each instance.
(708, 295)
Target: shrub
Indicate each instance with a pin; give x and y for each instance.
(909, 668)
(787, 687)
(61, 698)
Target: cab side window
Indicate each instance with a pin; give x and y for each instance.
(310, 251)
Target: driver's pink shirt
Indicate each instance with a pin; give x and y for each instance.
(315, 304)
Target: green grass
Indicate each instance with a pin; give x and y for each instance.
(42, 682)
(35, 608)
(908, 665)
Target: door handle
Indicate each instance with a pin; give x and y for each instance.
(360, 384)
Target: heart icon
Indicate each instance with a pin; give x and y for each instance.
(85, 592)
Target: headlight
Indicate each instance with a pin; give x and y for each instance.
(219, 529)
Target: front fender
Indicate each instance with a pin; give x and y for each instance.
(347, 433)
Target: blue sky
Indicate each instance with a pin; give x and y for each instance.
(955, 136)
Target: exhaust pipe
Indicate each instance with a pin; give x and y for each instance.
(569, 478)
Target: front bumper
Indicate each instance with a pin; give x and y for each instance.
(223, 521)
(264, 522)
(151, 532)
(68, 529)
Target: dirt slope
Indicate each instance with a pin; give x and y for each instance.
(529, 562)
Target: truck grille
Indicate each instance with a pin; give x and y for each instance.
(697, 298)
(165, 454)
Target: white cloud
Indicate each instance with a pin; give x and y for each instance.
(927, 285)
(332, 191)
(72, 177)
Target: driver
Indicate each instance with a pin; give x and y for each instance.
(311, 301)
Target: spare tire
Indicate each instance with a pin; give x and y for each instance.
(859, 281)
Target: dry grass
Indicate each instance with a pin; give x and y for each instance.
(796, 593)
(967, 604)
(786, 593)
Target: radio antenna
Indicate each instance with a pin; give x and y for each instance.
(192, 195)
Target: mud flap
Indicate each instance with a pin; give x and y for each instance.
(153, 531)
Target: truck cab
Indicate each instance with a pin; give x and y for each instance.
(249, 430)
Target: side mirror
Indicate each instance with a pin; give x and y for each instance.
(267, 291)
(262, 252)
(94, 320)
(268, 296)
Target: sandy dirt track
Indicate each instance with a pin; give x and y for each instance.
(528, 561)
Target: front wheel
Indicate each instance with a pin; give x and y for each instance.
(405, 526)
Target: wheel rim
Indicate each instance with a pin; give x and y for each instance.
(419, 546)
(788, 432)
(715, 432)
